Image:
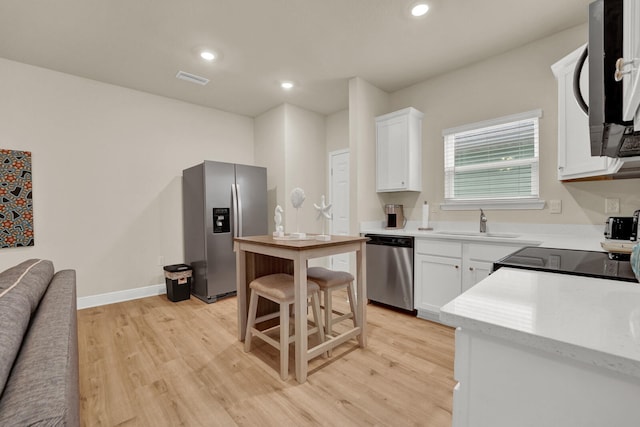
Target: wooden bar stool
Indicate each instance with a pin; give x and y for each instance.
(329, 281)
(279, 288)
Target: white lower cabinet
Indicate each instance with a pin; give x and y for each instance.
(475, 271)
(502, 383)
(443, 269)
(444, 275)
(437, 275)
(478, 259)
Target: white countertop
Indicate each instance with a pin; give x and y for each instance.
(563, 236)
(595, 321)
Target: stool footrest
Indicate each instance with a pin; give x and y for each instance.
(333, 342)
(267, 317)
(312, 328)
(266, 338)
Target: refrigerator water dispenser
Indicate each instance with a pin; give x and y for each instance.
(221, 221)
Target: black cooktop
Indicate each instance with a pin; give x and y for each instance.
(568, 261)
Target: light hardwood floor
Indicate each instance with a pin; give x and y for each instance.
(152, 362)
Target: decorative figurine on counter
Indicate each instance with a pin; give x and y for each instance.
(297, 199)
(323, 212)
(277, 217)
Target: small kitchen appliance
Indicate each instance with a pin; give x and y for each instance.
(611, 135)
(619, 227)
(394, 216)
(634, 226)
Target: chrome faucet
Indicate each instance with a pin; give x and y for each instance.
(483, 222)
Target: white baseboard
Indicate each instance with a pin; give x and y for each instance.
(428, 315)
(120, 296)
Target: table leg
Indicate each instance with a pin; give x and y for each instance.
(300, 312)
(241, 288)
(361, 290)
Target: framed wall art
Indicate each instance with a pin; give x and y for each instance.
(16, 199)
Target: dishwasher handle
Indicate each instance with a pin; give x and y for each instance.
(387, 240)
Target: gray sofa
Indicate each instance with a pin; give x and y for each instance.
(38, 346)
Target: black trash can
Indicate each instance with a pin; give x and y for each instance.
(178, 278)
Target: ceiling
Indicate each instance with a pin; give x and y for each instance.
(318, 44)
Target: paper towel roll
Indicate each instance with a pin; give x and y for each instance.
(425, 215)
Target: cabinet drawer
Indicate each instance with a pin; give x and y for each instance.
(439, 248)
(483, 252)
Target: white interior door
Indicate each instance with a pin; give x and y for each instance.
(339, 196)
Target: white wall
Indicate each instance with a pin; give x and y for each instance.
(337, 131)
(270, 153)
(517, 81)
(107, 167)
(290, 143)
(365, 103)
(305, 165)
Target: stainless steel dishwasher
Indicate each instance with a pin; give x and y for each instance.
(390, 270)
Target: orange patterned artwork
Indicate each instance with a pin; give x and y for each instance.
(16, 202)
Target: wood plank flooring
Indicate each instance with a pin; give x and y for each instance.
(152, 362)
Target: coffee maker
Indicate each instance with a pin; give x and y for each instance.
(394, 216)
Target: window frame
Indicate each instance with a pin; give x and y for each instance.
(514, 202)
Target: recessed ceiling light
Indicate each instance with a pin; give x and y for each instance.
(207, 55)
(419, 9)
(286, 85)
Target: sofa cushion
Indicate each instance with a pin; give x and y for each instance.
(21, 288)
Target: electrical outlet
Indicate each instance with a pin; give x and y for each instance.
(160, 260)
(611, 205)
(555, 206)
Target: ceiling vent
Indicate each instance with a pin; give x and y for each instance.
(182, 75)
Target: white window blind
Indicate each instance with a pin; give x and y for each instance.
(493, 160)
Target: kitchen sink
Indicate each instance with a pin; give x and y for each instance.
(478, 234)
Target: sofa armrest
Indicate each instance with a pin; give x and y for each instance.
(43, 387)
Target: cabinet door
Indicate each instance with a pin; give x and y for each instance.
(631, 52)
(574, 148)
(391, 155)
(475, 271)
(437, 281)
(478, 259)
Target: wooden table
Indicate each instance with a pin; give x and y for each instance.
(258, 256)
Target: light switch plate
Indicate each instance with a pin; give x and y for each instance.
(612, 205)
(555, 206)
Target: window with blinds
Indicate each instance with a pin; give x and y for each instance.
(493, 160)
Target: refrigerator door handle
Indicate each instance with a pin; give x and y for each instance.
(239, 210)
(234, 201)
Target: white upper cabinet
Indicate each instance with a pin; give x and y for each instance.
(399, 151)
(631, 52)
(574, 148)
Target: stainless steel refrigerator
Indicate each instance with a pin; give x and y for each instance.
(220, 201)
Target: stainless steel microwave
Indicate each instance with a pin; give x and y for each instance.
(610, 135)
